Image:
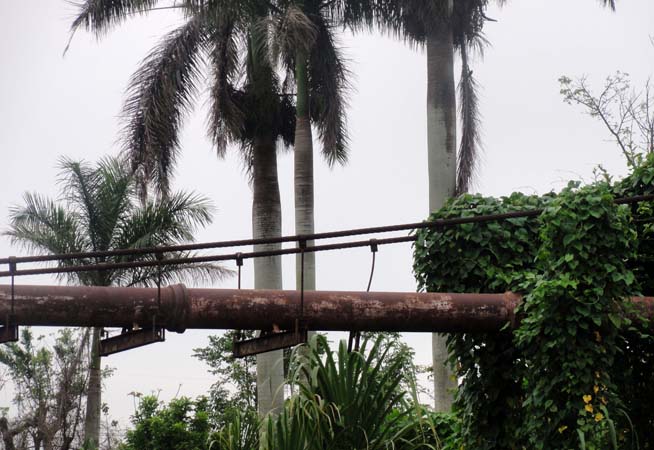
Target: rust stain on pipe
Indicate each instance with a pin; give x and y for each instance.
(180, 308)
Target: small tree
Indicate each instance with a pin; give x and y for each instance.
(50, 385)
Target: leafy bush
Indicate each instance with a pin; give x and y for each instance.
(575, 372)
(182, 424)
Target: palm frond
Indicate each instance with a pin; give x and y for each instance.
(328, 86)
(166, 221)
(470, 125)
(468, 20)
(226, 118)
(44, 227)
(169, 220)
(41, 226)
(98, 16)
(411, 20)
(79, 184)
(196, 274)
(160, 94)
(99, 212)
(354, 14)
(114, 196)
(292, 32)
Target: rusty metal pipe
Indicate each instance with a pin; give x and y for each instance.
(180, 308)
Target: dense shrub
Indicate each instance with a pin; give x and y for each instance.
(574, 373)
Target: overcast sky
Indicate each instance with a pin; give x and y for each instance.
(52, 106)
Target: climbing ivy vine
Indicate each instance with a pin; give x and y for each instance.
(576, 370)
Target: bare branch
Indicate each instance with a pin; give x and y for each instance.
(624, 113)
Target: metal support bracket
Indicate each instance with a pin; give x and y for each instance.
(269, 342)
(134, 337)
(9, 332)
(130, 339)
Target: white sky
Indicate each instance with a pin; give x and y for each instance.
(52, 106)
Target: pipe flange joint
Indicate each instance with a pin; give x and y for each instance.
(176, 308)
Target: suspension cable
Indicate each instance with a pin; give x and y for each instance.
(440, 223)
(355, 336)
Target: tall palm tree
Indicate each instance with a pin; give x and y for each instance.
(99, 211)
(247, 108)
(303, 40)
(443, 27)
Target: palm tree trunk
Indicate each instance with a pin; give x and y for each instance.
(303, 176)
(441, 148)
(94, 394)
(266, 223)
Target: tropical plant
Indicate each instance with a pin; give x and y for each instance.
(247, 108)
(99, 210)
(240, 433)
(349, 400)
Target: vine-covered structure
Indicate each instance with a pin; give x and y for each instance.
(576, 372)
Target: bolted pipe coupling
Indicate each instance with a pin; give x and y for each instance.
(175, 307)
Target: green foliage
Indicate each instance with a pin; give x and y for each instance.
(349, 400)
(182, 424)
(399, 352)
(572, 318)
(100, 209)
(234, 392)
(343, 400)
(636, 345)
(482, 257)
(555, 380)
(447, 429)
(240, 433)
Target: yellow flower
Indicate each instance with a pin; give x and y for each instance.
(589, 408)
(587, 398)
(563, 428)
(596, 389)
(603, 400)
(599, 416)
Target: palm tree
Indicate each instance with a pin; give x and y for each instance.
(98, 212)
(303, 40)
(443, 27)
(247, 108)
